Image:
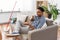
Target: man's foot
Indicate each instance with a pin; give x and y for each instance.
(15, 32)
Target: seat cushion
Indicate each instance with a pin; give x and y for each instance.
(49, 22)
(44, 26)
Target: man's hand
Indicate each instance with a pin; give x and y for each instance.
(32, 28)
(26, 23)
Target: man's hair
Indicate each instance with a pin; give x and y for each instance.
(41, 9)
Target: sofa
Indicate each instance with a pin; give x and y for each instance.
(48, 32)
(45, 33)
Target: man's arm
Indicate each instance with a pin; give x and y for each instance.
(28, 22)
(32, 19)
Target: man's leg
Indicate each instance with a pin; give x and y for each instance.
(24, 30)
(18, 26)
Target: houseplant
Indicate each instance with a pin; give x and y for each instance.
(52, 11)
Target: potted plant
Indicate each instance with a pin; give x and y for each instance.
(52, 12)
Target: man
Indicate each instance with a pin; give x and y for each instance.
(36, 22)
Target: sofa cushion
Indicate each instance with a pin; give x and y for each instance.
(44, 26)
(49, 22)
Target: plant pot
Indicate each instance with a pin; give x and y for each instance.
(49, 16)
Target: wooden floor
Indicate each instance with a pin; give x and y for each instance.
(58, 36)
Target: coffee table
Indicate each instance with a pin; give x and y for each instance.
(16, 36)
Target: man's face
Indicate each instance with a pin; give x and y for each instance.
(39, 13)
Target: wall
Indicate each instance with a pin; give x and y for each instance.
(22, 5)
(28, 7)
(4, 17)
(55, 2)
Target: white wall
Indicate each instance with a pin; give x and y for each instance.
(56, 2)
(22, 5)
(5, 17)
(26, 6)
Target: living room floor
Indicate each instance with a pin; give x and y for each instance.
(57, 35)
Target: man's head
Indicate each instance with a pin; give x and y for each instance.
(40, 11)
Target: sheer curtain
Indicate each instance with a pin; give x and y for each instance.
(22, 5)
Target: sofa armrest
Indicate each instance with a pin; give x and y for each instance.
(49, 33)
